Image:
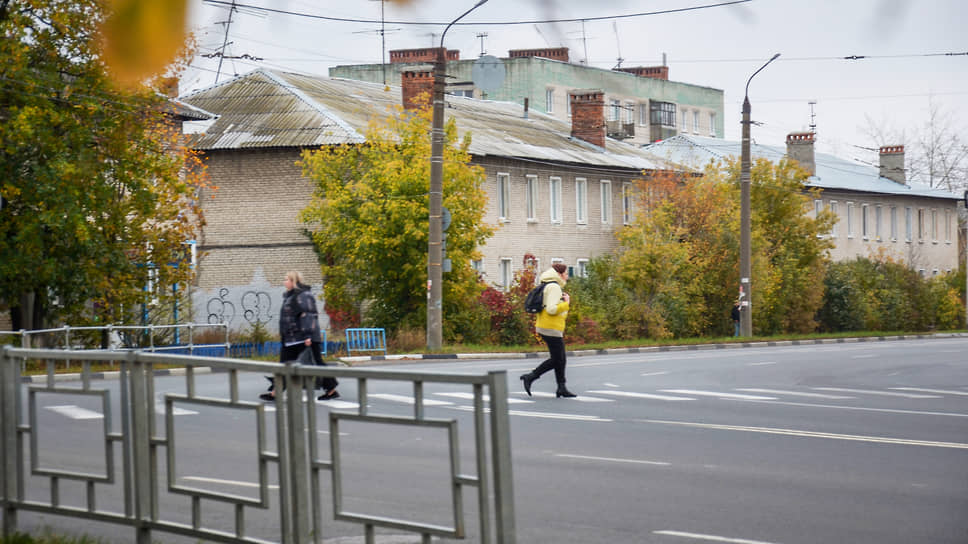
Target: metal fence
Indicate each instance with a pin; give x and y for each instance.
(149, 462)
(120, 337)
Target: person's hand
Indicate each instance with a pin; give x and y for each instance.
(566, 297)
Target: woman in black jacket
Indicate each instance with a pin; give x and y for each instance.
(299, 330)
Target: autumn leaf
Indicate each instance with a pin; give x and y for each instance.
(142, 37)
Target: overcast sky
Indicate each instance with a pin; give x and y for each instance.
(917, 52)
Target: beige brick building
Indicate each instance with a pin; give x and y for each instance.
(557, 190)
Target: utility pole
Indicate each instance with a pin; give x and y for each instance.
(435, 273)
(745, 256)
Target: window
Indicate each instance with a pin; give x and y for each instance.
(630, 112)
(581, 201)
(695, 121)
(947, 226)
(865, 231)
(833, 210)
(817, 208)
(568, 107)
(505, 273)
(531, 197)
(908, 223)
(606, 187)
(581, 268)
(555, 200)
(685, 121)
(877, 222)
(934, 226)
(503, 196)
(614, 110)
(850, 219)
(550, 100)
(712, 124)
(893, 223)
(643, 114)
(663, 113)
(626, 203)
(921, 224)
(478, 266)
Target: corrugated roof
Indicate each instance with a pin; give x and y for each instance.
(266, 108)
(832, 172)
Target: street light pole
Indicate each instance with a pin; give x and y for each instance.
(745, 253)
(435, 234)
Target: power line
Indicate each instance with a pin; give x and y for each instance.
(500, 23)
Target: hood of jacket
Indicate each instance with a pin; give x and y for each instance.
(551, 275)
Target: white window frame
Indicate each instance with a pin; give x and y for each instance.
(478, 266)
(695, 121)
(850, 220)
(531, 197)
(685, 121)
(834, 227)
(878, 220)
(581, 201)
(550, 100)
(614, 110)
(581, 268)
(817, 207)
(503, 197)
(947, 226)
(894, 223)
(921, 225)
(507, 273)
(712, 124)
(605, 191)
(643, 114)
(908, 224)
(630, 112)
(934, 225)
(554, 188)
(864, 221)
(626, 203)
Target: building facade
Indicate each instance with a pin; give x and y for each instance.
(641, 104)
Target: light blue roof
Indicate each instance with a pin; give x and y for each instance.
(833, 172)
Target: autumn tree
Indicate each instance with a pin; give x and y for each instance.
(680, 257)
(97, 189)
(369, 221)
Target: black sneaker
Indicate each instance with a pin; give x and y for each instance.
(329, 395)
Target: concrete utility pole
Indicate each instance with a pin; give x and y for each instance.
(435, 250)
(745, 257)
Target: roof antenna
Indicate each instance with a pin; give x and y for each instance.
(813, 117)
(482, 35)
(618, 46)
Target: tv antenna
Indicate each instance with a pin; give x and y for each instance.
(482, 35)
(813, 116)
(618, 46)
(383, 38)
(584, 41)
(221, 52)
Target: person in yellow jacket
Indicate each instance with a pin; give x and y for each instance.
(551, 326)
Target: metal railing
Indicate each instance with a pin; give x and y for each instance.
(121, 337)
(146, 473)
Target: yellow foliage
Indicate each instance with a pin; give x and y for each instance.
(142, 37)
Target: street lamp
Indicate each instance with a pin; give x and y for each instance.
(745, 286)
(435, 249)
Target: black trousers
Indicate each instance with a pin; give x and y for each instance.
(291, 353)
(556, 361)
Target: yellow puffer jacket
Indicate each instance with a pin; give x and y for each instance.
(551, 320)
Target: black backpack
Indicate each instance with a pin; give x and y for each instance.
(534, 302)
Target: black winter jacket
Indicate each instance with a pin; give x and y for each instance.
(298, 318)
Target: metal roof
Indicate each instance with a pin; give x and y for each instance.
(267, 108)
(833, 172)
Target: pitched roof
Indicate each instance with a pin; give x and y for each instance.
(833, 172)
(266, 108)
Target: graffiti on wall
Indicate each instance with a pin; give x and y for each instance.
(256, 306)
(220, 309)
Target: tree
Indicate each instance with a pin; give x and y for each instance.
(680, 258)
(369, 220)
(97, 194)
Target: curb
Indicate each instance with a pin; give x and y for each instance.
(366, 360)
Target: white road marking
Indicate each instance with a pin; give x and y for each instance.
(486, 398)
(75, 412)
(717, 394)
(609, 384)
(648, 374)
(175, 411)
(869, 392)
(864, 356)
(339, 404)
(580, 398)
(939, 391)
(612, 459)
(795, 393)
(409, 400)
(812, 434)
(710, 538)
(761, 364)
(227, 482)
(545, 415)
(862, 409)
(639, 395)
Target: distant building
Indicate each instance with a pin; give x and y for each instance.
(641, 104)
(877, 207)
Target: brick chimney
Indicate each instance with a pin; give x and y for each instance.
(892, 163)
(588, 116)
(654, 72)
(426, 54)
(413, 83)
(800, 149)
(553, 53)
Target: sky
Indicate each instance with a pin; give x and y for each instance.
(916, 52)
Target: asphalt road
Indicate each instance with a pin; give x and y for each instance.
(837, 443)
